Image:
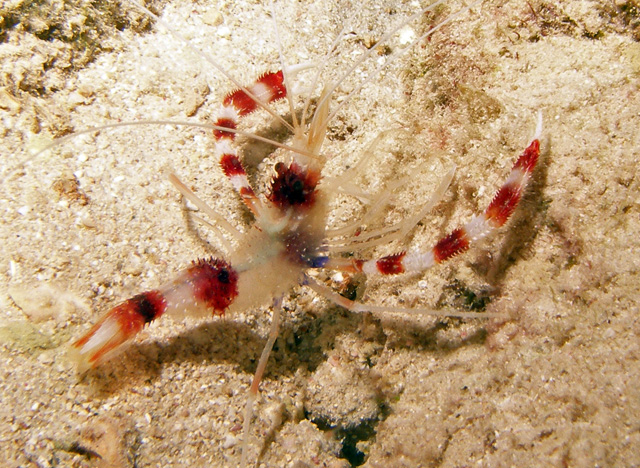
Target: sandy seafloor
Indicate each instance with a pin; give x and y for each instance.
(552, 382)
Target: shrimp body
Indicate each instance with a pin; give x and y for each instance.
(271, 258)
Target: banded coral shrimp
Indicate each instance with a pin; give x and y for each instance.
(83, 218)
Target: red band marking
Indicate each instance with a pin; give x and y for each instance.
(451, 245)
(527, 161)
(241, 102)
(150, 305)
(131, 316)
(293, 185)
(357, 265)
(244, 104)
(503, 205)
(231, 165)
(275, 82)
(247, 192)
(226, 123)
(214, 282)
(391, 264)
